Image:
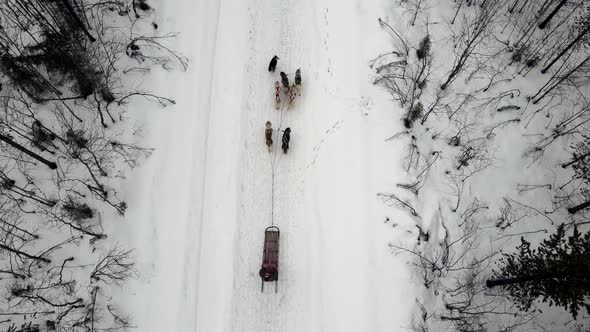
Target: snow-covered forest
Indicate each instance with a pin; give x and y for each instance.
(426, 162)
(495, 112)
(68, 75)
(494, 107)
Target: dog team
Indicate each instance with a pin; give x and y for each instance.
(291, 92)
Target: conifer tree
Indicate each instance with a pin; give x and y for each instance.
(557, 272)
(581, 165)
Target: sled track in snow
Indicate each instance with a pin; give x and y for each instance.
(250, 311)
(270, 186)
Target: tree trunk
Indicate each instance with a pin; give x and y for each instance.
(579, 207)
(544, 7)
(517, 280)
(578, 38)
(543, 24)
(513, 6)
(9, 141)
(416, 13)
(22, 253)
(73, 13)
(575, 160)
(457, 11)
(561, 80)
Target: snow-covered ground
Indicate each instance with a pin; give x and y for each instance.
(383, 227)
(199, 207)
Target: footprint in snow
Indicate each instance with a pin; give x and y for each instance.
(366, 103)
(316, 149)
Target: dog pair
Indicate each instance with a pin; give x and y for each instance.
(291, 91)
(268, 135)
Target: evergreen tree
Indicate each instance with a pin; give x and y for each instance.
(582, 28)
(581, 165)
(557, 272)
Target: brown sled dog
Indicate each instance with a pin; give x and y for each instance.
(285, 82)
(297, 84)
(292, 93)
(268, 134)
(277, 95)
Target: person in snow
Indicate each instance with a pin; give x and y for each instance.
(273, 64)
(268, 273)
(285, 82)
(286, 139)
(268, 134)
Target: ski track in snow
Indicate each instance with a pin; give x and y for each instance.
(210, 196)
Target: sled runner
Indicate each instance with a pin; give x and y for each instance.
(270, 257)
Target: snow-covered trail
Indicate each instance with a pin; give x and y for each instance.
(272, 30)
(324, 252)
(206, 193)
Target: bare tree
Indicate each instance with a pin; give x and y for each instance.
(9, 141)
(63, 64)
(473, 34)
(114, 267)
(414, 8)
(406, 78)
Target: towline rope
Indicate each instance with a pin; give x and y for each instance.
(274, 163)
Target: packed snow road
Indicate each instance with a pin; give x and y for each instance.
(206, 195)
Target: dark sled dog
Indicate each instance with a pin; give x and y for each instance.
(286, 139)
(285, 82)
(273, 64)
(268, 135)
